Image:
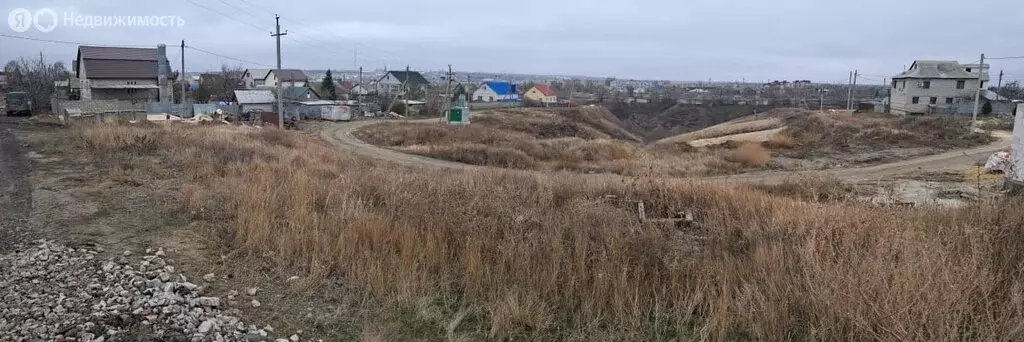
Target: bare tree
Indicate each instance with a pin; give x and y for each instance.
(36, 77)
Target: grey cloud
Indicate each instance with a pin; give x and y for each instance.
(661, 39)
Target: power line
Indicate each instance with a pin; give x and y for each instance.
(1012, 57)
(70, 42)
(227, 57)
(227, 16)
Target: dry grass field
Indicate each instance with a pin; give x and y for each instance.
(586, 139)
(476, 255)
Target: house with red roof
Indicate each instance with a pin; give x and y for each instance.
(541, 93)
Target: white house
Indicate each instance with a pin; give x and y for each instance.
(496, 92)
(288, 78)
(933, 86)
(393, 81)
(255, 78)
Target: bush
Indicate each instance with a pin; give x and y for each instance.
(750, 154)
(781, 141)
(398, 108)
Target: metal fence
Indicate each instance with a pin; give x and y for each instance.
(491, 105)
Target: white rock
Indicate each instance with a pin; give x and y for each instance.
(206, 326)
(293, 278)
(294, 338)
(251, 291)
(210, 277)
(255, 303)
(268, 328)
(127, 253)
(281, 340)
(159, 252)
(208, 301)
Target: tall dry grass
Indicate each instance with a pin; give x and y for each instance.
(501, 255)
(503, 142)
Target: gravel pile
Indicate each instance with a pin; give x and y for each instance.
(52, 292)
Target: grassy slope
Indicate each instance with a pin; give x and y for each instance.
(496, 255)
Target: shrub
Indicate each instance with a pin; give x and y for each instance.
(781, 141)
(750, 154)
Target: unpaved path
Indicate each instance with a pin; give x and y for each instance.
(15, 190)
(340, 134)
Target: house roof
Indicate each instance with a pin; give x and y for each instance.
(544, 89)
(117, 53)
(118, 62)
(291, 75)
(414, 77)
(501, 88)
(254, 96)
(297, 93)
(936, 69)
(258, 74)
(347, 85)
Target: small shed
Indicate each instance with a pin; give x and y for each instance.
(320, 109)
(255, 101)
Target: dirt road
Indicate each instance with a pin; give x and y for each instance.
(340, 134)
(15, 190)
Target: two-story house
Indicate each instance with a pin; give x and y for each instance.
(118, 73)
(255, 78)
(931, 85)
(398, 81)
(288, 78)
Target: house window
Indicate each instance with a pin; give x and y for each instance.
(949, 100)
(479, 98)
(982, 85)
(933, 100)
(961, 84)
(893, 84)
(968, 69)
(915, 100)
(926, 85)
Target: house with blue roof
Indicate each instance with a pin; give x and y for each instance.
(498, 91)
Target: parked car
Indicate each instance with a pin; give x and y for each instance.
(18, 103)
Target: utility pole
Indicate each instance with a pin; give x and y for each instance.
(821, 99)
(856, 73)
(360, 91)
(977, 94)
(280, 105)
(448, 94)
(1000, 86)
(849, 92)
(183, 80)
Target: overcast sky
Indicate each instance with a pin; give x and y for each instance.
(726, 40)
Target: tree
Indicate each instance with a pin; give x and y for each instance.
(415, 92)
(1011, 90)
(35, 77)
(986, 109)
(219, 86)
(328, 88)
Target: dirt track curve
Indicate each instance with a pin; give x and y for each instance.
(340, 134)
